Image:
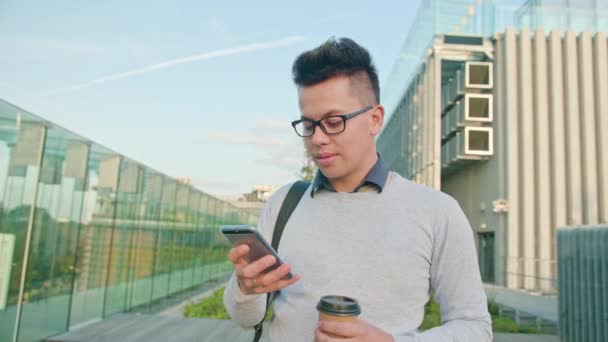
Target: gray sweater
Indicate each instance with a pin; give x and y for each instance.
(389, 250)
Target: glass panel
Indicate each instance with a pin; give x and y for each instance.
(21, 141)
(122, 250)
(147, 239)
(52, 254)
(95, 236)
(190, 269)
(177, 264)
(203, 218)
(165, 240)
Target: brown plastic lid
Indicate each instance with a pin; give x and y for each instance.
(339, 306)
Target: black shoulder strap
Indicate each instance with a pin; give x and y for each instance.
(290, 203)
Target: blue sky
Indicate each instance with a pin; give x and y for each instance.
(197, 89)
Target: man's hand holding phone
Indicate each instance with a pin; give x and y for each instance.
(251, 276)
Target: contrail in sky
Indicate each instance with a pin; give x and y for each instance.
(183, 60)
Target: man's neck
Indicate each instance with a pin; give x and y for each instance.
(349, 184)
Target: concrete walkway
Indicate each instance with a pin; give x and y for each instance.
(169, 324)
(128, 327)
(156, 328)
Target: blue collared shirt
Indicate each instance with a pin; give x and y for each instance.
(376, 177)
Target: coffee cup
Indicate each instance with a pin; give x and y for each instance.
(338, 309)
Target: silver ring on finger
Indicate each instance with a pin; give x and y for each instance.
(254, 283)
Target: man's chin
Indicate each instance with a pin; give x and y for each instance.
(329, 172)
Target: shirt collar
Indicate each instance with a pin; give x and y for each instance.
(376, 176)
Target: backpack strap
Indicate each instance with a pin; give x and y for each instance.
(290, 203)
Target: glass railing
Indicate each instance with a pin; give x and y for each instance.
(86, 232)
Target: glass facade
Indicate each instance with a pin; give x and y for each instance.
(484, 18)
(86, 232)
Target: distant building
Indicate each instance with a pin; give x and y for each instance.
(254, 201)
(184, 180)
(260, 193)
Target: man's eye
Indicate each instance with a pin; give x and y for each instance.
(308, 124)
(333, 122)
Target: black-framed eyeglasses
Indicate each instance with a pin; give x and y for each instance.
(333, 124)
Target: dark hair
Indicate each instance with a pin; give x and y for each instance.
(334, 58)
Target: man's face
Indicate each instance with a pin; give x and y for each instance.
(344, 158)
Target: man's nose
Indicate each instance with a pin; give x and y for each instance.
(319, 136)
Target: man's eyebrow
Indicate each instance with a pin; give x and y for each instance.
(326, 114)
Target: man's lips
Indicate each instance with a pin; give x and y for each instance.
(325, 159)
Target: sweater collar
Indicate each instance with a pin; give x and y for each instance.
(376, 177)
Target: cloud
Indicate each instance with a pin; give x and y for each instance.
(337, 17)
(218, 188)
(272, 125)
(62, 47)
(290, 157)
(218, 27)
(244, 139)
(214, 183)
(182, 60)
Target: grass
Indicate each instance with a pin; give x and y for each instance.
(213, 307)
(209, 307)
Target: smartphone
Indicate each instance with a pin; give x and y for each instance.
(258, 246)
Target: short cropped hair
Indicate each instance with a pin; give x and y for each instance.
(337, 57)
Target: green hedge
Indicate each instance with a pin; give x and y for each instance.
(213, 307)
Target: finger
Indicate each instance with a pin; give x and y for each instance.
(254, 269)
(237, 254)
(345, 329)
(277, 285)
(280, 273)
(320, 336)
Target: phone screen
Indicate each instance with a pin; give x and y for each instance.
(238, 235)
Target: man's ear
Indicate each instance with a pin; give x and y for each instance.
(377, 120)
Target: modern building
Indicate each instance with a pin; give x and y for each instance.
(505, 108)
(86, 232)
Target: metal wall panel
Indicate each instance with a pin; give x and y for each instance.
(509, 91)
(542, 160)
(559, 208)
(600, 72)
(526, 157)
(573, 134)
(583, 283)
(588, 141)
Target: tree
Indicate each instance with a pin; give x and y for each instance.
(308, 169)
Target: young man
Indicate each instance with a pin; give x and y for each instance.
(360, 230)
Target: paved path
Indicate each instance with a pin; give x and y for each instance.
(170, 325)
(128, 327)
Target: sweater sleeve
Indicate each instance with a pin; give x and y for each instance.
(456, 282)
(248, 310)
